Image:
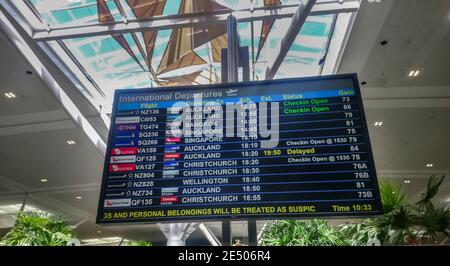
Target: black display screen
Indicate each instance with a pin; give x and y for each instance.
(276, 149)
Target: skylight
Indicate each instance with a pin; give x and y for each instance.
(117, 44)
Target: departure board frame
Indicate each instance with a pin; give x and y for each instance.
(128, 215)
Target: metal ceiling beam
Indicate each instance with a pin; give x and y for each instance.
(299, 18)
(48, 73)
(178, 21)
(338, 42)
(209, 235)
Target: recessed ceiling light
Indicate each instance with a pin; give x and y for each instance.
(378, 123)
(44, 180)
(78, 197)
(414, 73)
(10, 95)
(429, 165)
(71, 142)
(407, 181)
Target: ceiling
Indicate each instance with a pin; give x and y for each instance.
(34, 128)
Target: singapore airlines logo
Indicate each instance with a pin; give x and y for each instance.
(231, 92)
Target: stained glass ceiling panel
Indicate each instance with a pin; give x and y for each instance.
(78, 12)
(180, 56)
(110, 66)
(306, 55)
(72, 12)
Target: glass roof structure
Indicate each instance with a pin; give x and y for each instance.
(118, 44)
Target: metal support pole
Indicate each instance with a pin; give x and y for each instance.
(226, 224)
(24, 202)
(224, 66)
(244, 63)
(226, 233)
(177, 234)
(233, 49)
(209, 235)
(230, 65)
(252, 233)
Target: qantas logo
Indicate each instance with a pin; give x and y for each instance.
(122, 168)
(124, 151)
(123, 159)
(110, 203)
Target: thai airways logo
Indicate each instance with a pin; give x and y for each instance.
(124, 151)
(127, 127)
(122, 168)
(123, 159)
(111, 203)
(127, 120)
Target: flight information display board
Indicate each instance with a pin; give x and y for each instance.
(287, 148)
